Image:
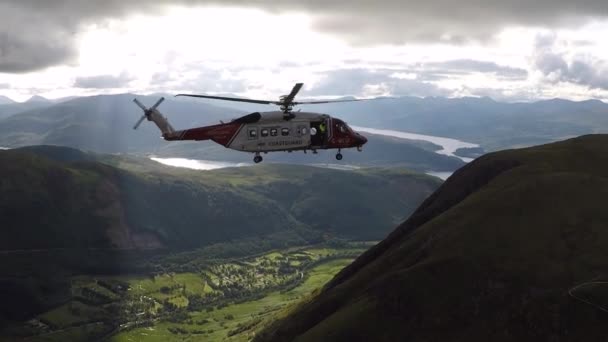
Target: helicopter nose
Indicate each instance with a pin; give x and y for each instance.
(362, 139)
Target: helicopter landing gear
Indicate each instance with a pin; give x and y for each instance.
(359, 148)
(339, 155)
(257, 158)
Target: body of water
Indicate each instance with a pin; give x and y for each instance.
(448, 145)
(197, 164)
(440, 174)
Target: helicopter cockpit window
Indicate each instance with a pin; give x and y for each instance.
(284, 132)
(274, 132)
(342, 128)
(264, 132)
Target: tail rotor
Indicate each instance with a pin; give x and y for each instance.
(147, 111)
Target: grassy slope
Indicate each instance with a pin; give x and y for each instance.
(490, 256)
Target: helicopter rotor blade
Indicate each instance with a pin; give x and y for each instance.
(139, 121)
(140, 105)
(289, 98)
(235, 99)
(157, 103)
(336, 101)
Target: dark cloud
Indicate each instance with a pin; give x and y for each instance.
(35, 34)
(356, 81)
(40, 45)
(436, 71)
(103, 81)
(466, 66)
(556, 66)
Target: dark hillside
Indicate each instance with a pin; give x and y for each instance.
(491, 255)
(64, 212)
(53, 197)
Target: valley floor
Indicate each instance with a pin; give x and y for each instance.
(216, 300)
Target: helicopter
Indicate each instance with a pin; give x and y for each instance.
(265, 132)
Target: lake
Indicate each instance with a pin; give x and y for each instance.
(448, 145)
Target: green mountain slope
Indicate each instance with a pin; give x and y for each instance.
(490, 256)
(52, 197)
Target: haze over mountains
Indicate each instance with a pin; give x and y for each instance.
(5, 100)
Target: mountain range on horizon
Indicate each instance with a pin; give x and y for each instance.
(492, 124)
(104, 124)
(5, 99)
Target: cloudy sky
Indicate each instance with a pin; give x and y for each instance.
(511, 50)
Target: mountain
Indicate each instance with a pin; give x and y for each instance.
(492, 124)
(512, 247)
(39, 99)
(66, 212)
(5, 100)
(9, 109)
(131, 202)
(101, 123)
(104, 124)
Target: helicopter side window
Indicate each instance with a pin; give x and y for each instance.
(253, 133)
(285, 132)
(274, 132)
(264, 132)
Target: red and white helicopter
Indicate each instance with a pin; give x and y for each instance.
(266, 132)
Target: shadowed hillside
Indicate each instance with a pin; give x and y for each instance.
(122, 201)
(64, 211)
(490, 256)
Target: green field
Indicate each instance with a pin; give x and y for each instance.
(218, 326)
(216, 300)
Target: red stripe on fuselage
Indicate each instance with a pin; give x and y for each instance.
(221, 134)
